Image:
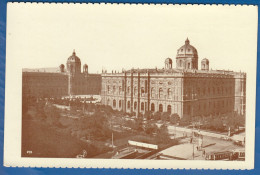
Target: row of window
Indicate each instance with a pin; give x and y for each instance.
(212, 105)
(143, 104)
(170, 91)
(143, 91)
(209, 91)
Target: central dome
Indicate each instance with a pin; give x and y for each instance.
(187, 57)
(73, 58)
(187, 50)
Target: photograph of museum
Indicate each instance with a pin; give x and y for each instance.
(140, 113)
(184, 90)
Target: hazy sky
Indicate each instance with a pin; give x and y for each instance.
(126, 36)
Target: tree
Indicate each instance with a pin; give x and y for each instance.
(174, 118)
(53, 115)
(138, 124)
(240, 120)
(185, 120)
(163, 134)
(217, 123)
(157, 116)
(148, 115)
(165, 116)
(150, 128)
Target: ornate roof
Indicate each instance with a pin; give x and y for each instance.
(204, 60)
(187, 50)
(73, 58)
(168, 60)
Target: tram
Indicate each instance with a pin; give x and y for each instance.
(226, 155)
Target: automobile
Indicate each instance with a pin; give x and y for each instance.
(238, 142)
(225, 138)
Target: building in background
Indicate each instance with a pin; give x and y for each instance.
(183, 90)
(57, 82)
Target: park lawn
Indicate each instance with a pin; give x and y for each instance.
(45, 141)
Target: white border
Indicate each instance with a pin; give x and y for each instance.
(12, 133)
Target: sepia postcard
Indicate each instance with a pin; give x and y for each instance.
(130, 86)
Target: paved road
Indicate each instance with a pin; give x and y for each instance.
(187, 131)
(185, 149)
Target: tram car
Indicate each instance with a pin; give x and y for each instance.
(225, 155)
(239, 154)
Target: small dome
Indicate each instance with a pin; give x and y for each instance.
(205, 60)
(168, 60)
(187, 50)
(62, 68)
(73, 58)
(85, 66)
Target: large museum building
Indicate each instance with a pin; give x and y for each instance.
(183, 90)
(61, 81)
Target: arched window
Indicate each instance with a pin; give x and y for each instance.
(108, 102)
(160, 108)
(169, 109)
(198, 91)
(114, 103)
(160, 93)
(128, 90)
(152, 107)
(142, 106)
(120, 89)
(180, 63)
(114, 89)
(152, 92)
(108, 89)
(135, 105)
(120, 103)
(169, 93)
(142, 91)
(128, 104)
(135, 91)
(188, 65)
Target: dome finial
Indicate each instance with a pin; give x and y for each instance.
(74, 52)
(187, 41)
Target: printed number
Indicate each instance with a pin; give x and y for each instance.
(29, 152)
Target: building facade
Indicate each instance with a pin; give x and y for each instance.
(58, 82)
(183, 90)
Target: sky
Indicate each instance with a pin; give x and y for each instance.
(113, 37)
